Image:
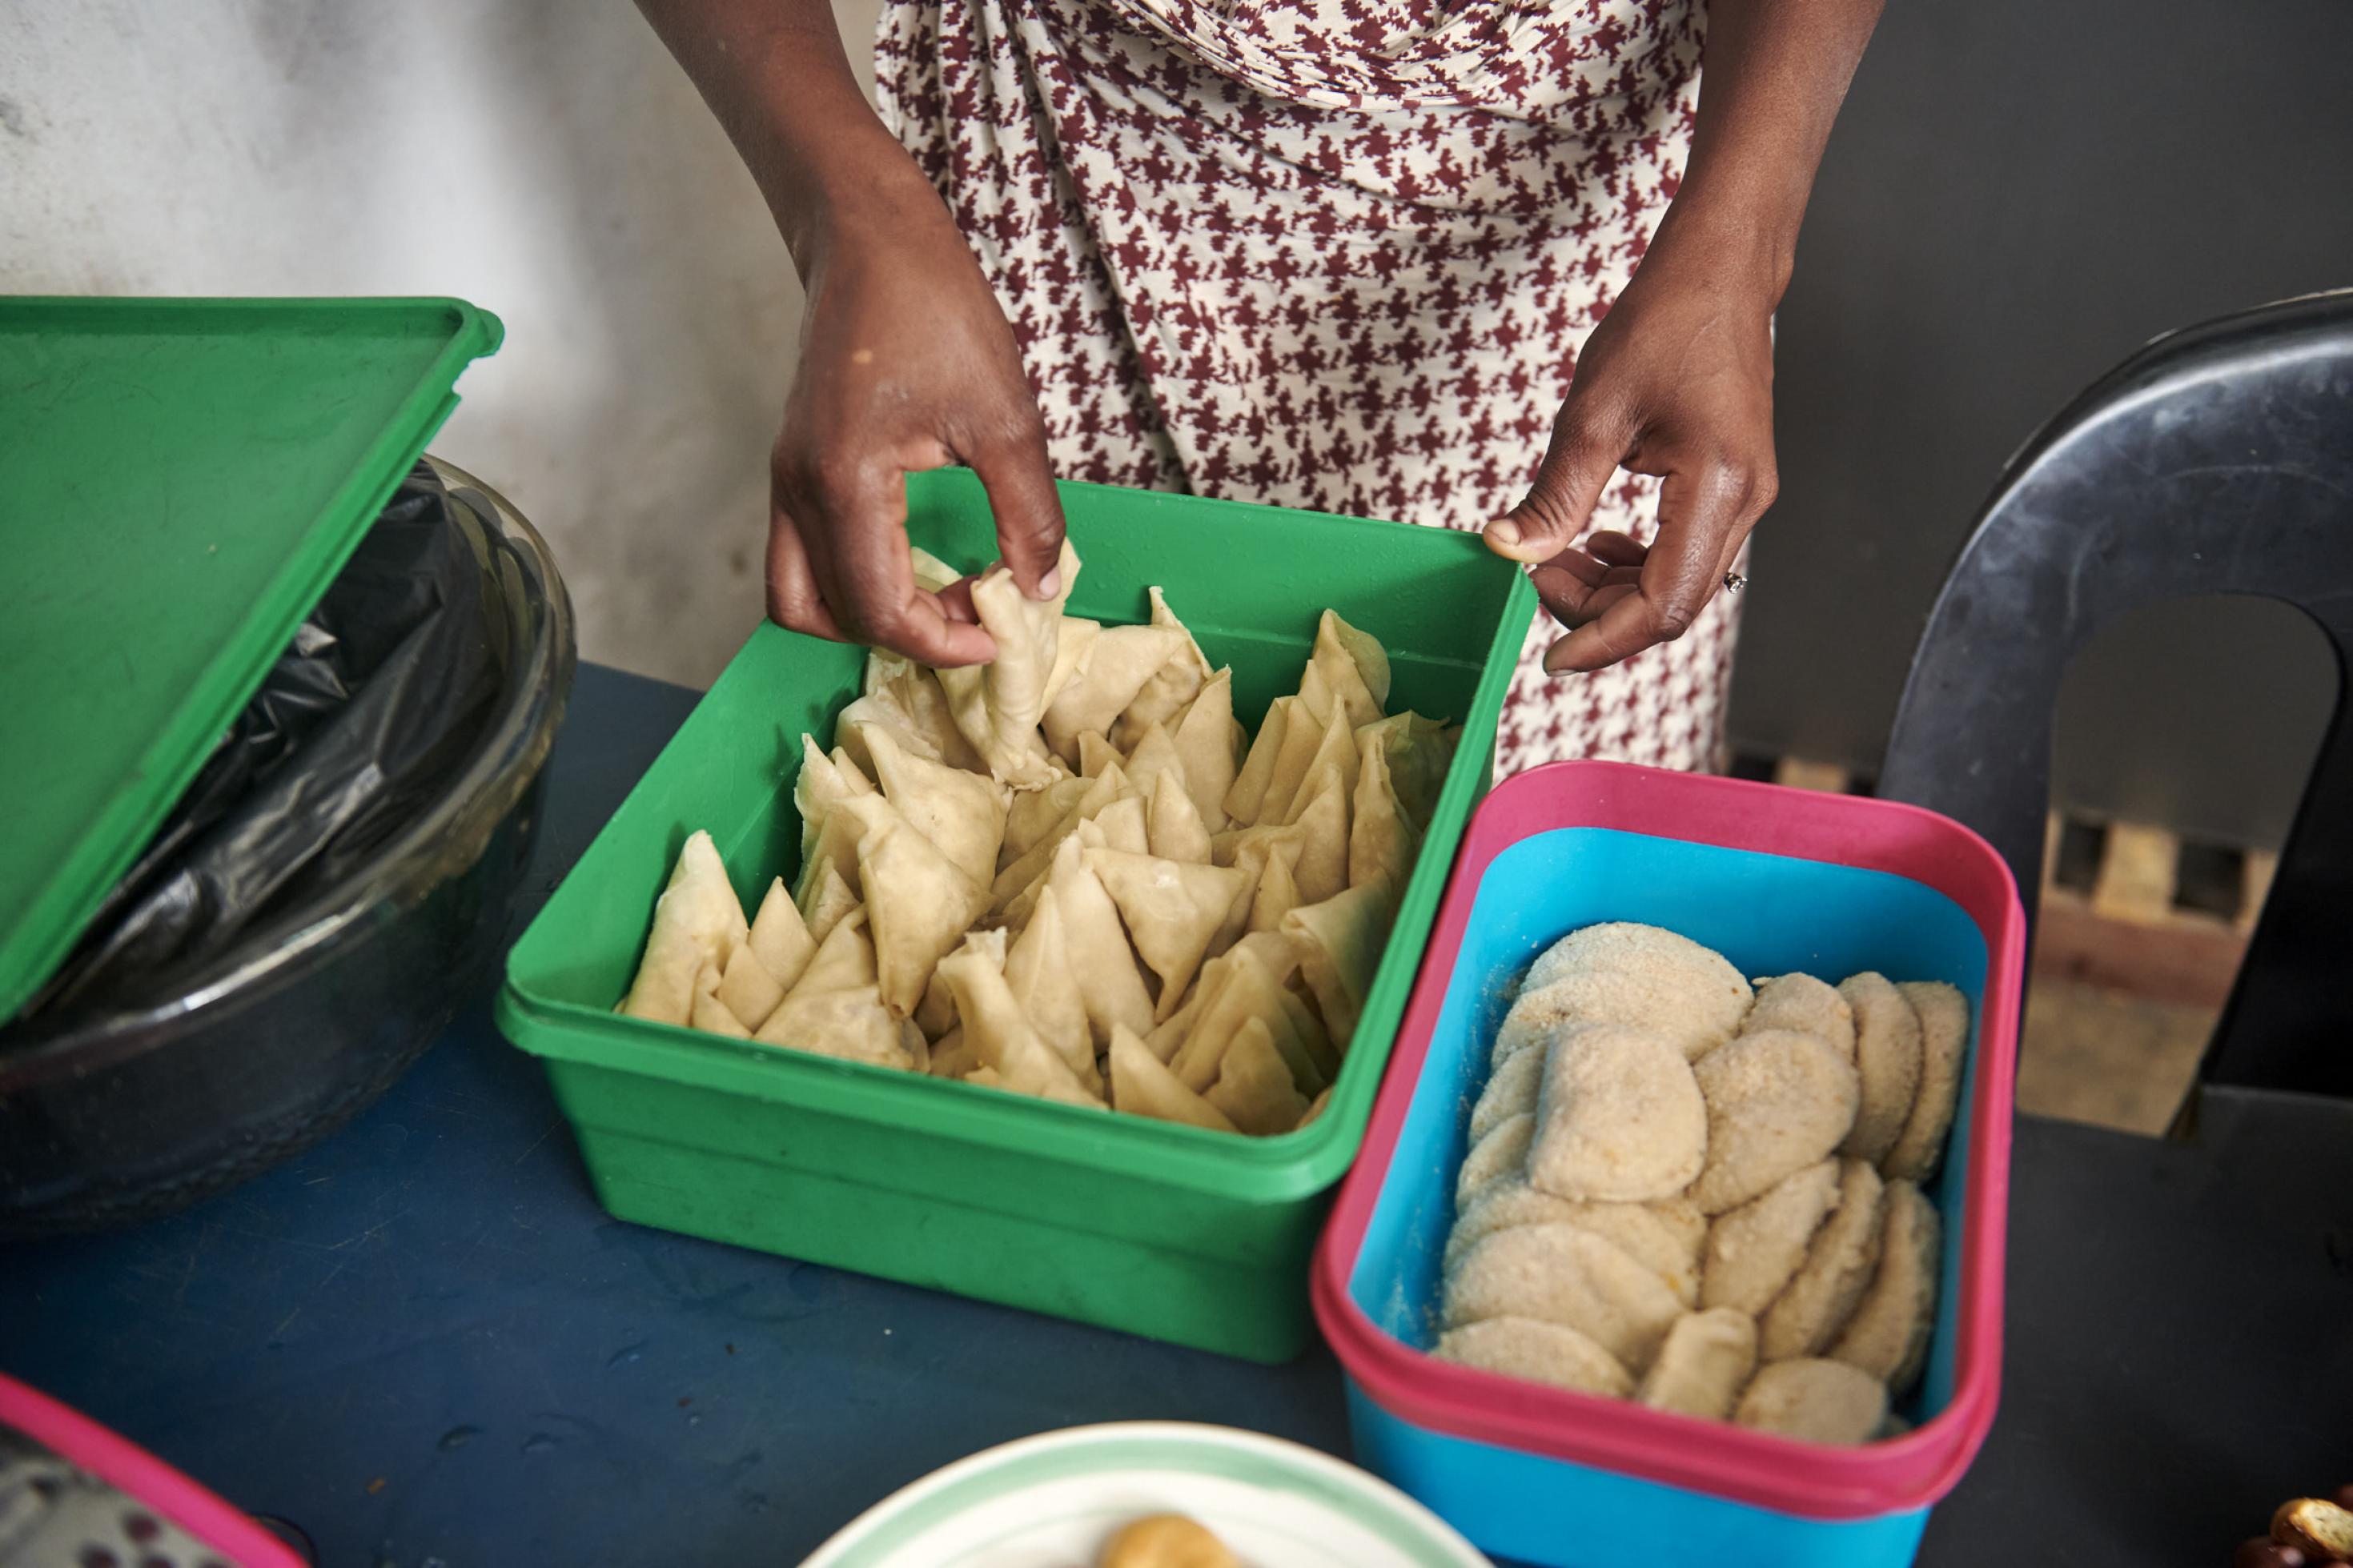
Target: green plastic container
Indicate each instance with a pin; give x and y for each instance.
(180, 480)
(1171, 1232)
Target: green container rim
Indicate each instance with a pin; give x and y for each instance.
(1282, 1168)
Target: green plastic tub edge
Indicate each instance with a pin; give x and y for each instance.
(1144, 1226)
(117, 411)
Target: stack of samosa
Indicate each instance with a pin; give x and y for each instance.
(1069, 873)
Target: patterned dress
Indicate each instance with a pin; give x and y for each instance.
(1331, 254)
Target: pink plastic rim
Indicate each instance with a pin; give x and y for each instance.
(141, 1477)
(1895, 1476)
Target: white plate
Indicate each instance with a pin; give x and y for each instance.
(1053, 1502)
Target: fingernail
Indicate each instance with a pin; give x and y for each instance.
(1504, 532)
(1050, 584)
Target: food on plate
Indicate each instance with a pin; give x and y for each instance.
(1166, 1541)
(1538, 1352)
(1887, 1051)
(1815, 1401)
(1618, 1118)
(1705, 1361)
(1677, 1187)
(1071, 874)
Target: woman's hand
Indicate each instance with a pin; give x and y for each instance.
(906, 363)
(1677, 381)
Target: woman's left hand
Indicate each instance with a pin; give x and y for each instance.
(1676, 382)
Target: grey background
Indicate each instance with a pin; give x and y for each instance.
(2018, 194)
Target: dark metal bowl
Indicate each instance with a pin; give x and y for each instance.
(118, 1118)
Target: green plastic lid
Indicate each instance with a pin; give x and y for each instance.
(180, 482)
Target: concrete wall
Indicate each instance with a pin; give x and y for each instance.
(544, 158)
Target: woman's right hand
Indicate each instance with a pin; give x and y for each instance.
(906, 363)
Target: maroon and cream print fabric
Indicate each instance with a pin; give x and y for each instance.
(1331, 254)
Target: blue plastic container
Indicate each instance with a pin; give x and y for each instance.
(1777, 880)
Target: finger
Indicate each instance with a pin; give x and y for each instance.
(1574, 576)
(1585, 449)
(1019, 480)
(955, 602)
(1577, 565)
(1697, 512)
(794, 601)
(1574, 605)
(1617, 549)
(869, 578)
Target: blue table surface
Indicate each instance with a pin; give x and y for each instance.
(423, 1343)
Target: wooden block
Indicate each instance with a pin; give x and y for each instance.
(2186, 960)
(1798, 773)
(2053, 826)
(2136, 874)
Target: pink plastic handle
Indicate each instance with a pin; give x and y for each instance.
(137, 1474)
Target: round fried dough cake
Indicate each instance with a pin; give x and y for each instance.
(1754, 1251)
(1561, 1274)
(1624, 947)
(1944, 1014)
(1887, 1053)
(1511, 1088)
(1500, 1154)
(1663, 1238)
(1696, 1007)
(1839, 1262)
(1703, 1365)
(1802, 1003)
(1888, 1335)
(1538, 1352)
(1814, 1401)
(1618, 1118)
(1777, 1102)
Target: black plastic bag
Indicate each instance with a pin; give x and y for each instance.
(379, 697)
